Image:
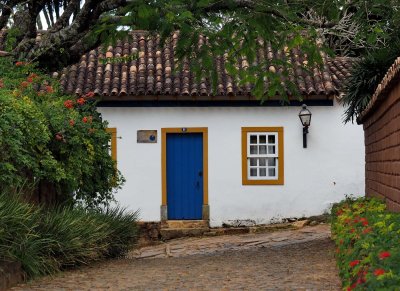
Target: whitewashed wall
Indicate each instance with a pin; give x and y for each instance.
(331, 166)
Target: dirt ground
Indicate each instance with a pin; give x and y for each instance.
(287, 260)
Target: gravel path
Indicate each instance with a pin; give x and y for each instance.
(285, 260)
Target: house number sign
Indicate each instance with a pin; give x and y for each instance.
(147, 136)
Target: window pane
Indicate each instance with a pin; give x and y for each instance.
(253, 162)
(253, 172)
(271, 172)
(253, 150)
(263, 139)
(271, 149)
(271, 139)
(271, 162)
(263, 172)
(253, 139)
(263, 150)
(262, 162)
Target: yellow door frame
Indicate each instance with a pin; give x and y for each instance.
(164, 132)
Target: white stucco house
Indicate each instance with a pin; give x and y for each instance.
(188, 154)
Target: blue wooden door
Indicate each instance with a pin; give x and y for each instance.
(184, 175)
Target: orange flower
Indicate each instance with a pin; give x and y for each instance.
(49, 89)
(80, 101)
(24, 84)
(379, 272)
(85, 119)
(384, 255)
(72, 122)
(18, 64)
(69, 104)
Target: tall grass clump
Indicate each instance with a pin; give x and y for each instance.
(45, 241)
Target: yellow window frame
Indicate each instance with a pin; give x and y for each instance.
(280, 179)
(113, 132)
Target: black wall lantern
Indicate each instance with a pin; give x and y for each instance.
(305, 118)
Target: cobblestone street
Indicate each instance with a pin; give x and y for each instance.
(284, 260)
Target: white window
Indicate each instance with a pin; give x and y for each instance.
(262, 157)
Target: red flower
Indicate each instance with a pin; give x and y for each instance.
(59, 136)
(18, 64)
(80, 101)
(69, 104)
(354, 285)
(49, 89)
(367, 230)
(89, 94)
(33, 76)
(339, 212)
(384, 255)
(85, 119)
(352, 230)
(379, 272)
(30, 79)
(24, 84)
(354, 263)
(365, 222)
(72, 122)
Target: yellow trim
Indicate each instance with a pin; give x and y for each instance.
(113, 132)
(280, 180)
(164, 131)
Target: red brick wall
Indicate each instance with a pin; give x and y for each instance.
(382, 150)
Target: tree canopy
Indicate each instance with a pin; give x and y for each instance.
(234, 29)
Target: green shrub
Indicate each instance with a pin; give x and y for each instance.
(368, 244)
(48, 240)
(49, 138)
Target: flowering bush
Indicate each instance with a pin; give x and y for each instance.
(54, 142)
(368, 244)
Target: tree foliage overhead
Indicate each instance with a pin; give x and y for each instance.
(346, 27)
(366, 74)
(235, 29)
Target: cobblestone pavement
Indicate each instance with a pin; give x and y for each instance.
(284, 260)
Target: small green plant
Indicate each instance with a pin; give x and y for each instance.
(46, 241)
(368, 245)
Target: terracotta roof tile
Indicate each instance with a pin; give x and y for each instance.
(155, 72)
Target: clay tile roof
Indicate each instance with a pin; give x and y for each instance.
(152, 74)
(389, 80)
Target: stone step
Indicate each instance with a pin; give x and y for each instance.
(170, 233)
(176, 224)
